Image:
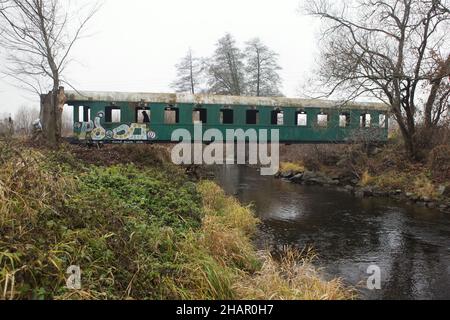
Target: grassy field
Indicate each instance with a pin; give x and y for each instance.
(138, 230)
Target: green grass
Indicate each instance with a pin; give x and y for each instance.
(136, 232)
(120, 224)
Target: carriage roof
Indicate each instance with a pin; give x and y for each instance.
(202, 99)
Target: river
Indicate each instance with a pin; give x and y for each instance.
(410, 245)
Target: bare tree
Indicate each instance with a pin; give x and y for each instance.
(262, 69)
(189, 74)
(24, 118)
(3, 124)
(38, 37)
(226, 69)
(387, 49)
(437, 104)
(3, 5)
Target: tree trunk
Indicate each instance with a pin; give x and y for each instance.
(52, 105)
(436, 83)
(258, 86)
(408, 135)
(410, 144)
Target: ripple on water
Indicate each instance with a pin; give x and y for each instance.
(409, 244)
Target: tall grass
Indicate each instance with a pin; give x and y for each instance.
(121, 225)
(424, 188)
(136, 233)
(291, 277)
(220, 253)
(294, 167)
(416, 183)
(366, 179)
(244, 273)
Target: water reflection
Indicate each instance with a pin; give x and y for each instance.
(410, 244)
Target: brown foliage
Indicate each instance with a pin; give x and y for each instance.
(140, 155)
(439, 163)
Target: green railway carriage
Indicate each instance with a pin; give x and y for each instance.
(114, 117)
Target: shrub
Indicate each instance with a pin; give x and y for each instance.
(439, 162)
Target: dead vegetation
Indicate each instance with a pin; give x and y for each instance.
(291, 277)
(107, 155)
(386, 167)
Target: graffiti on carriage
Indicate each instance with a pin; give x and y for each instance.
(93, 130)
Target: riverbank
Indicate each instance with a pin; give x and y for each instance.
(378, 172)
(138, 228)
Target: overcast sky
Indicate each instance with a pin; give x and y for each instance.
(135, 44)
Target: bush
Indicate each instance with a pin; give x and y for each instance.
(439, 162)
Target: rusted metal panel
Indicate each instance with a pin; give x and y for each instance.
(172, 98)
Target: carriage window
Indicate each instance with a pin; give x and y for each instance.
(344, 120)
(365, 120)
(172, 115)
(252, 116)
(277, 118)
(301, 119)
(199, 116)
(322, 120)
(227, 116)
(84, 114)
(112, 115)
(383, 121)
(143, 115)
